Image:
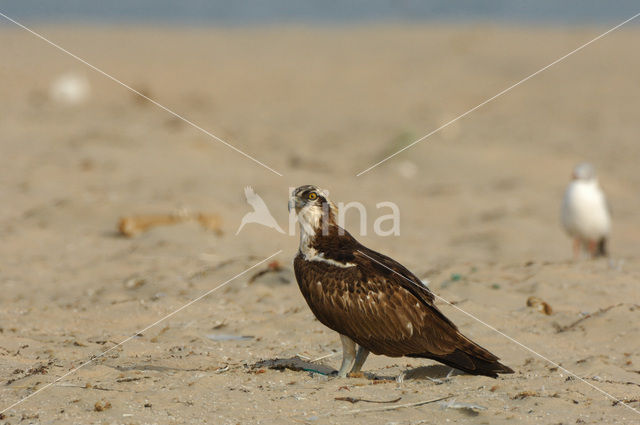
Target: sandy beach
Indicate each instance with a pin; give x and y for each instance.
(479, 207)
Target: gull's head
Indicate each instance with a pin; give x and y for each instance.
(313, 207)
(584, 171)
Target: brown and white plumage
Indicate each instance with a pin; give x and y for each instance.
(372, 301)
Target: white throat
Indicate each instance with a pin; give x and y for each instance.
(310, 219)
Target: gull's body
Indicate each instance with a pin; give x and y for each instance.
(585, 213)
(372, 301)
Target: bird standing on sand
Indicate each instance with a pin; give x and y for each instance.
(373, 302)
(585, 213)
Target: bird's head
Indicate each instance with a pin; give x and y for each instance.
(313, 208)
(584, 171)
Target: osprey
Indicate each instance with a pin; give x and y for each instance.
(585, 213)
(372, 301)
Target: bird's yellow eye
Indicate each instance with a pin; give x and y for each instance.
(312, 196)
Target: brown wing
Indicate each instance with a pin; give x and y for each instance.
(385, 308)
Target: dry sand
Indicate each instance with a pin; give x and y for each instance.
(479, 219)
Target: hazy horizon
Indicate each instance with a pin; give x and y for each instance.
(201, 12)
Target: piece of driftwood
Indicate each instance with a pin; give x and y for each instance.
(134, 225)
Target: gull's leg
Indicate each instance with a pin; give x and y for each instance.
(576, 249)
(361, 357)
(348, 355)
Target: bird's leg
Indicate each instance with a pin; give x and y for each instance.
(592, 248)
(348, 355)
(361, 357)
(576, 249)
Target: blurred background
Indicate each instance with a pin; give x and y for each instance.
(317, 91)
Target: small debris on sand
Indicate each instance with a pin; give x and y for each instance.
(471, 409)
(70, 89)
(101, 406)
(226, 337)
(276, 274)
(539, 305)
(524, 394)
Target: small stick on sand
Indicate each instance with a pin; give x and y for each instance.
(382, 409)
(397, 406)
(357, 399)
(587, 316)
(324, 357)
